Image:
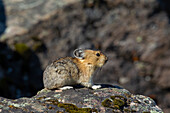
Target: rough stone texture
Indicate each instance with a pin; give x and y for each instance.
(23, 14)
(83, 100)
(134, 34)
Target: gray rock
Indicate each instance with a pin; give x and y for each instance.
(105, 100)
(23, 14)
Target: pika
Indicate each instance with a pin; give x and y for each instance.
(70, 71)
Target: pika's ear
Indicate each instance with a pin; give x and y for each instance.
(79, 53)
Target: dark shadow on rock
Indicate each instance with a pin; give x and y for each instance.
(20, 71)
(2, 18)
(110, 86)
(163, 5)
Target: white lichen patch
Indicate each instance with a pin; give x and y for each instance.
(61, 100)
(43, 90)
(57, 95)
(153, 111)
(38, 107)
(18, 105)
(14, 104)
(48, 98)
(134, 106)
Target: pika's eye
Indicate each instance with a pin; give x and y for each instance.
(98, 54)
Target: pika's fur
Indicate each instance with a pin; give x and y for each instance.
(74, 70)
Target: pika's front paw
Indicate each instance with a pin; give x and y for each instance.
(96, 86)
(66, 87)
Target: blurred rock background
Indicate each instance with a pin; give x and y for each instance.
(134, 34)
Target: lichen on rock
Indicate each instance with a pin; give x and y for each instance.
(82, 100)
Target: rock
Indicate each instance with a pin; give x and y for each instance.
(104, 100)
(23, 14)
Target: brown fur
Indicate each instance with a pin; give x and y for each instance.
(71, 71)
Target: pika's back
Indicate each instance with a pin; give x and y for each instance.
(61, 72)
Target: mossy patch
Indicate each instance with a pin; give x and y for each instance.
(126, 110)
(50, 107)
(107, 103)
(118, 100)
(23, 50)
(38, 45)
(115, 102)
(71, 108)
(74, 109)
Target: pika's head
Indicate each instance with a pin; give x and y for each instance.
(91, 57)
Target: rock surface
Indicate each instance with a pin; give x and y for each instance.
(82, 100)
(23, 14)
